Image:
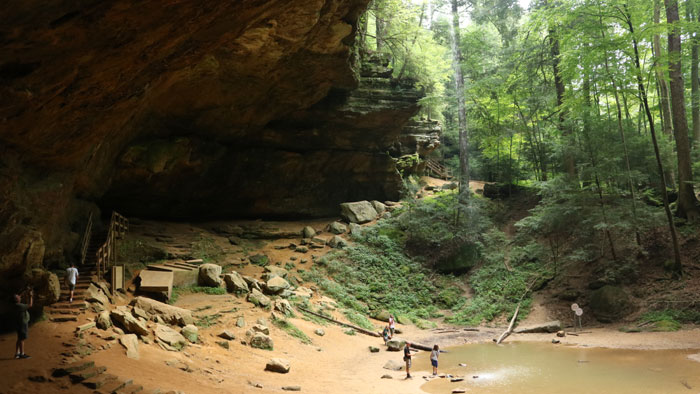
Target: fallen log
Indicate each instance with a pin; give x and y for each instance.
(510, 326)
(420, 346)
(470, 329)
(358, 329)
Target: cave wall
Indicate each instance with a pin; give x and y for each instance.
(185, 110)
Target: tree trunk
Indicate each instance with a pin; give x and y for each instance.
(695, 83)
(462, 114)
(686, 197)
(379, 31)
(677, 266)
(660, 78)
(568, 159)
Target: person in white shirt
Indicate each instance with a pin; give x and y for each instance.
(434, 358)
(391, 325)
(71, 279)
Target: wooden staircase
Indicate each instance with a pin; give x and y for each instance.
(438, 170)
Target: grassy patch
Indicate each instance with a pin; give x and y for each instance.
(292, 330)
(178, 291)
(208, 320)
(358, 319)
(667, 319)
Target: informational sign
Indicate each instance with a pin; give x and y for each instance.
(574, 307)
(579, 312)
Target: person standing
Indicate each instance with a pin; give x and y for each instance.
(391, 325)
(71, 279)
(407, 359)
(22, 322)
(434, 358)
(385, 334)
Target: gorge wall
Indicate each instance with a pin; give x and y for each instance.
(185, 110)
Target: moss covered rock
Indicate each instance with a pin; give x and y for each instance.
(610, 303)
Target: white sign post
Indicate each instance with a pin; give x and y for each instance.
(574, 308)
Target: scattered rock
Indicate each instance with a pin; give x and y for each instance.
(262, 341)
(190, 332)
(319, 332)
(235, 283)
(301, 249)
(139, 313)
(240, 322)
(259, 299)
(305, 292)
(103, 321)
(548, 327)
(131, 344)
(209, 275)
(223, 344)
(393, 365)
(169, 338)
(276, 285)
(455, 391)
(395, 345)
(259, 328)
(308, 232)
(122, 317)
(291, 388)
(273, 271)
(355, 228)
(337, 242)
(227, 335)
(561, 334)
(168, 313)
(456, 379)
(358, 212)
(337, 228)
(387, 376)
(283, 306)
(373, 349)
(260, 259)
(85, 327)
(95, 294)
(278, 365)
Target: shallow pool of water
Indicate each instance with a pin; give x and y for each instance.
(541, 368)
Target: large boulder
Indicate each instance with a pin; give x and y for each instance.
(258, 299)
(170, 314)
(261, 341)
(123, 318)
(358, 212)
(548, 327)
(276, 285)
(378, 206)
(259, 259)
(337, 242)
(273, 270)
(131, 344)
(278, 365)
(209, 275)
(169, 339)
(95, 294)
(308, 232)
(381, 315)
(283, 306)
(47, 287)
(610, 303)
(235, 283)
(103, 320)
(395, 345)
(337, 228)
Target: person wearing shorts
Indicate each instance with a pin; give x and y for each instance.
(22, 323)
(434, 358)
(391, 325)
(71, 279)
(407, 359)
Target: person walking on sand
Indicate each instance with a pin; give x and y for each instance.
(385, 334)
(392, 327)
(407, 359)
(22, 322)
(71, 279)
(434, 358)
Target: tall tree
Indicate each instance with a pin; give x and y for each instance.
(692, 12)
(461, 107)
(660, 77)
(686, 197)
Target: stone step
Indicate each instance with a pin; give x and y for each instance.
(65, 312)
(114, 386)
(73, 367)
(79, 376)
(62, 318)
(130, 389)
(80, 304)
(98, 381)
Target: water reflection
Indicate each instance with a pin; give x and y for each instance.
(548, 369)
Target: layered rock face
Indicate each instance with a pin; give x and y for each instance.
(185, 110)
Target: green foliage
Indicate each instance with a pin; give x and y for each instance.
(292, 330)
(668, 319)
(358, 319)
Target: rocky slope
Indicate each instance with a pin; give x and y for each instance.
(184, 110)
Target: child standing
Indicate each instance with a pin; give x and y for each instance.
(434, 358)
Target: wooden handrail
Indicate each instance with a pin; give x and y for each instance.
(438, 169)
(107, 253)
(86, 240)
